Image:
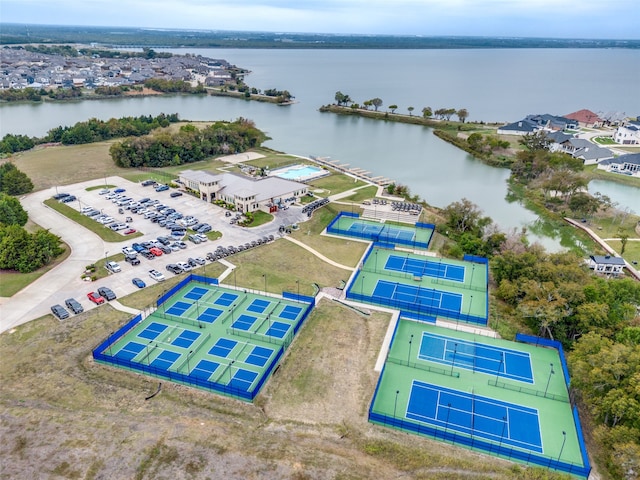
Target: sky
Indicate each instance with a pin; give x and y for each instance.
(606, 19)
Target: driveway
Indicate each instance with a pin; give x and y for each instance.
(64, 281)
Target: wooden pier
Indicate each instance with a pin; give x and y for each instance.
(360, 173)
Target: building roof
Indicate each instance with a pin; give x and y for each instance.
(607, 260)
(521, 126)
(593, 152)
(233, 185)
(584, 116)
(630, 158)
(558, 136)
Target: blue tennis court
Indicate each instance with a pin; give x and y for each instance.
(421, 268)
(185, 339)
(165, 360)
(259, 356)
(478, 357)
(258, 305)
(196, 293)
(243, 379)
(290, 312)
(277, 329)
(152, 331)
(223, 347)
(178, 308)
(130, 350)
(475, 415)
(210, 315)
(378, 231)
(226, 299)
(244, 322)
(418, 296)
(204, 369)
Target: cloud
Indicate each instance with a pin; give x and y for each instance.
(561, 18)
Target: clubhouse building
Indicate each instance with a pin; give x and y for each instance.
(245, 193)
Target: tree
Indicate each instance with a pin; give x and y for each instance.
(411, 109)
(26, 252)
(14, 181)
(393, 108)
(624, 238)
(341, 98)
(535, 141)
(11, 212)
(427, 112)
(462, 114)
(377, 103)
(465, 216)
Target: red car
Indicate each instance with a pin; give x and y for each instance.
(95, 298)
(156, 251)
(130, 231)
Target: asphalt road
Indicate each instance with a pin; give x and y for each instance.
(64, 281)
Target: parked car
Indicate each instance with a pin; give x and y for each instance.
(68, 198)
(201, 236)
(175, 194)
(128, 251)
(192, 262)
(73, 305)
(113, 267)
(95, 298)
(181, 244)
(165, 249)
(60, 312)
(132, 259)
(146, 183)
(147, 254)
(137, 247)
(164, 240)
(194, 239)
(204, 228)
(156, 275)
(184, 266)
(162, 188)
(107, 293)
(104, 191)
(119, 190)
(138, 282)
(200, 260)
(156, 251)
(174, 268)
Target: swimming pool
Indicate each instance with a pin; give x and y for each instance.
(300, 173)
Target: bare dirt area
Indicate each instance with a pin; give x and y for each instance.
(64, 416)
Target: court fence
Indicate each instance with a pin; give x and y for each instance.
(102, 353)
(418, 310)
(545, 342)
(528, 391)
(381, 237)
(493, 448)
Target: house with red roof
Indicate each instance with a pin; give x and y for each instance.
(586, 118)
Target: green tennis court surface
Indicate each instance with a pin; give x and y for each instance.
(423, 287)
(225, 340)
(503, 398)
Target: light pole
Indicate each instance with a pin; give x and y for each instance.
(361, 286)
(453, 360)
(147, 347)
(395, 404)
(198, 314)
(110, 335)
(376, 264)
(189, 366)
(469, 311)
(551, 372)
(410, 342)
(446, 424)
(499, 367)
(564, 439)
(106, 252)
(473, 269)
(298, 284)
(235, 285)
(504, 425)
(264, 275)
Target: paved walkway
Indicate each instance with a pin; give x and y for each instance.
(318, 254)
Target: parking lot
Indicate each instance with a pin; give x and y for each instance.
(86, 247)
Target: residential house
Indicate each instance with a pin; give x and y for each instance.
(586, 118)
(585, 150)
(606, 265)
(523, 127)
(613, 118)
(628, 134)
(556, 140)
(625, 164)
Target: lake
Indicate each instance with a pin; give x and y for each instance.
(493, 85)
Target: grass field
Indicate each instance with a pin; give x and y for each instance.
(310, 422)
(335, 183)
(631, 251)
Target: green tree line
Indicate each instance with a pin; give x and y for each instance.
(173, 86)
(188, 145)
(92, 130)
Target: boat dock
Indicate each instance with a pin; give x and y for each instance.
(360, 173)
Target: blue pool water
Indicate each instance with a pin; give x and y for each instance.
(299, 172)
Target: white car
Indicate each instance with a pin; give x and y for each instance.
(184, 266)
(128, 251)
(113, 267)
(86, 209)
(201, 236)
(156, 275)
(105, 220)
(104, 191)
